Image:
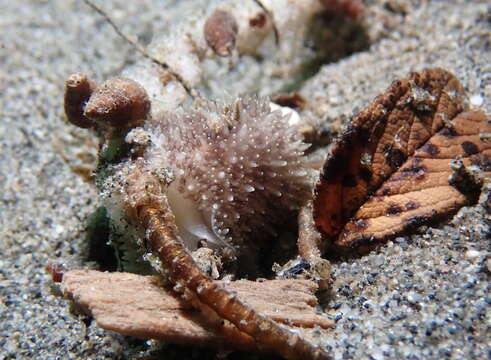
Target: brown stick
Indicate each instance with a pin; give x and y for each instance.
(270, 15)
(309, 240)
(184, 271)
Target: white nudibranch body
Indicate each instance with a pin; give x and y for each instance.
(193, 224)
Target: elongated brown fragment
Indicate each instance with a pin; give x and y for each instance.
(151, 210)
(141, 306)
(78, 89)
(386, 142)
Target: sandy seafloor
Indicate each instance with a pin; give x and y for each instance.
(426, 296)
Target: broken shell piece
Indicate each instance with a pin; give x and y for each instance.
(139, 306)
(78, 89)
(209, 261)
(287, 112)
(220, 32)
(138, 139)
(317, 270)
(389, 172)
(119, 102)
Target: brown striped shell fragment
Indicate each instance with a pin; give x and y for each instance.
(392, 170)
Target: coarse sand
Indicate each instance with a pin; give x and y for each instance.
(426, 296)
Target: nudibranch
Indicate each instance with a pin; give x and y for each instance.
(233, 173)
(238, 169)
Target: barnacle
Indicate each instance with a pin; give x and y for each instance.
(118, 102)
(78, 89)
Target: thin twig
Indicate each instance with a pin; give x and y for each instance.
(270, 15)
(137, 46)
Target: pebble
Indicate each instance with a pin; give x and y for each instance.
(472, 254)
(488, 264)
(476, 100)
(413, 297)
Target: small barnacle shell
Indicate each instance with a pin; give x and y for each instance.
(120, 103)
(221, 32)
(78, 89)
